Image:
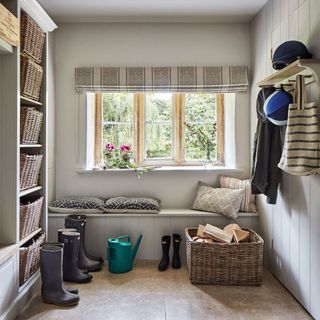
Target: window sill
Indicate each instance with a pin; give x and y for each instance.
(217, 169)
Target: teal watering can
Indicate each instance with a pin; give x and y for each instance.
(119, 254)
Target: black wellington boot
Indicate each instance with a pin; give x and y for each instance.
(163, 265)
(176, 262)
(85, 262)
(71, 271)
(52, 291)
(61, 245)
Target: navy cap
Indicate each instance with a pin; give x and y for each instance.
(289, 52)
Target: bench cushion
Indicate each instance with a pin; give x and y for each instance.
(131, 205)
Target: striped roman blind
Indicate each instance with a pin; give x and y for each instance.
(162, 79)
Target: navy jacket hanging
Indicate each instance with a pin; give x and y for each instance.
(267, 153)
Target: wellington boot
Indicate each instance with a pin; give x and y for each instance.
(176, 262)
(164, 263)
(52, 290)
(71, 270)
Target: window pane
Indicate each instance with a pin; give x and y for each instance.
(158, 126)
(158, 107)
(200, 107)
(200, 142)
(118, 134)
(118, 107)
(158, 141)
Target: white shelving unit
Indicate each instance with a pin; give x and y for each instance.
(10, 149)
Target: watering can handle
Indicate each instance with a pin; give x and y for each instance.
(123, 237)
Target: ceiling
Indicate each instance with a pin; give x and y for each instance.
(202, 11)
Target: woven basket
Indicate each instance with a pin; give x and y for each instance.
(30, 214)
(32, 38)
(30, 125)
(30, 166)
(31, 78)
(29, 260)
(227, 264)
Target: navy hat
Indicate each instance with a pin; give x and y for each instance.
(276, 107)
(289, 52)
(264, 93)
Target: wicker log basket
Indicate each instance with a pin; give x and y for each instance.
(32, 38)
(30, 125)
(30, 166)
(223, 263)
(30, 258)
(30, 214)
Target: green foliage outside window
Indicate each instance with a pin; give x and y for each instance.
(200, 124)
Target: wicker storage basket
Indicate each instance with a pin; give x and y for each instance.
(227, 264)
(31, 78)
(30, 166)
(29, 260)
(32, 38)
(30, 214)
(30, 125)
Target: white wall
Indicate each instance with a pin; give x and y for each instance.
(291, 227)
(140, 45)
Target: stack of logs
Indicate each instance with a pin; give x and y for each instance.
(230, 233)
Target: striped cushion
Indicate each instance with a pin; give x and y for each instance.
(248, 203)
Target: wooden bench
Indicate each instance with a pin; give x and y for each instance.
(102, 226)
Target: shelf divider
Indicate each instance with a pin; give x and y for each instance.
(31, 190)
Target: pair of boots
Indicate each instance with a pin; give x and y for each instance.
(165, 261)
(52, 289)
(86, 260)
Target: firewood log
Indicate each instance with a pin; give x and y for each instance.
(217, 234)
(240, 235)
(200, 231)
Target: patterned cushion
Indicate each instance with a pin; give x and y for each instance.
(248, 203)
(132, 205)
(77, 204)
(218, 200)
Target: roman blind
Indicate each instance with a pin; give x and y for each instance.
(162, 79)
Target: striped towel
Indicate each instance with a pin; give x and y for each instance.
(301, 151)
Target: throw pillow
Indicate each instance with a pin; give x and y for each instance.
(218, 200)
(248, 203)
(77, 205)
(131, 205)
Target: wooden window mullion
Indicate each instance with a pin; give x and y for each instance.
(179, 128)
(98, 129)
(220, 128)
(139, 115)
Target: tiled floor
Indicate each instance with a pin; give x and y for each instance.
(147, 294)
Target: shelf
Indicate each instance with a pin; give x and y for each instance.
(5, 47)
(29, 236)
(307, 67)
(7, 251)
(30, 145)
(31, 102)
(31, 190)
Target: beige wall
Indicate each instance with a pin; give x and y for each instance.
(290, 228)
(143, 44)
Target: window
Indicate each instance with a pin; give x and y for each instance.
(162, 128)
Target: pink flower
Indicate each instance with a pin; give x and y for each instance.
(125, 148)
(110, 147)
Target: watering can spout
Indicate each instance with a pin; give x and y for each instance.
(136, 247)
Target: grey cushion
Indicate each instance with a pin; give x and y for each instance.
(219, 200)
(131, 205)
(77, 204)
